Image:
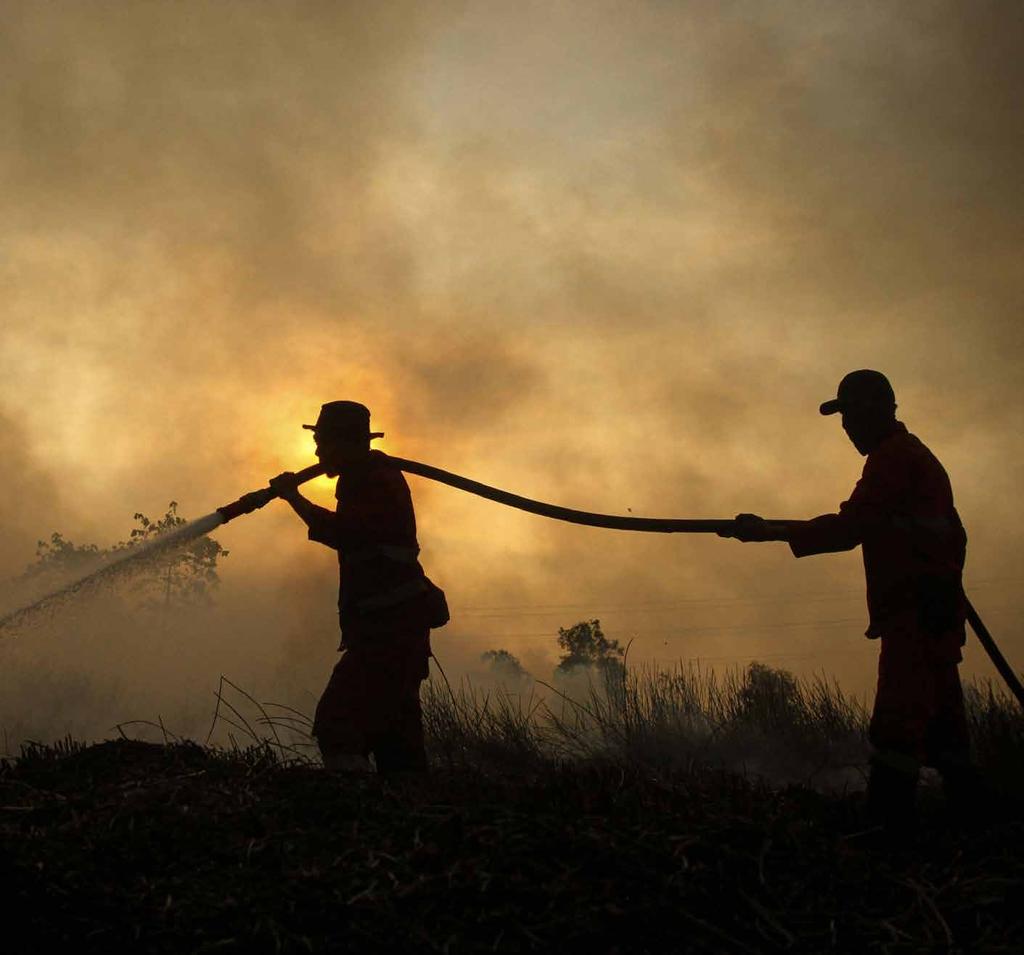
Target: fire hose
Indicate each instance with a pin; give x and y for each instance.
(257, 499)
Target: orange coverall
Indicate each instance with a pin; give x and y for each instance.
(901, 513)
(371, 703)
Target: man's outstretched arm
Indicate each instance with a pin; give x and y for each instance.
(820, 535)
(870, 505)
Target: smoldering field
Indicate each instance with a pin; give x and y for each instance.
(614, 808)
(609, 256)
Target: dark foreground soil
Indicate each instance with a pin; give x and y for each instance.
(128, 846)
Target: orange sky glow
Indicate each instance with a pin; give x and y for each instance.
(607, 255)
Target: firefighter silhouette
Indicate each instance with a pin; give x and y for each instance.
(386, 606)
(901, 514)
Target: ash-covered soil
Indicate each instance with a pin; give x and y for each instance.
(134, 846)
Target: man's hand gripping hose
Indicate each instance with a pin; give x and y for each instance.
(278, 487)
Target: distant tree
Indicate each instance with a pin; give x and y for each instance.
(768, 696)
(585, 645)
(61, 557)
(503, 664)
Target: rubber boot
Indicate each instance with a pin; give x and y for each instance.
(891, 801)
(971, 801)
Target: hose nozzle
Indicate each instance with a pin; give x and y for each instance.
(254, 500)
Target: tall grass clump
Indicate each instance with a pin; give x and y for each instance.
(759, 721)
(996, 723)
(470, 728)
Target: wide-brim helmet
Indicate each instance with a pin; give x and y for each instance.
(348, 420)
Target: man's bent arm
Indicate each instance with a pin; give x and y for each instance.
(379, 508)
(322, 523)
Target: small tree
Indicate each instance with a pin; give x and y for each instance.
(584, 644)
(504, 665)
(183, 576)
(60, 557)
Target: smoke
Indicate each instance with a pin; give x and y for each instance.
(30, 499)
(609, 255)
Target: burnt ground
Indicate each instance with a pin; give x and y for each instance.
(134, 846)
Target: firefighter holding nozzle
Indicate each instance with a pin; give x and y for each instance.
(387, 605)
(913, 543)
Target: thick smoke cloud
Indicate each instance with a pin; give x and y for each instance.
(611, 255)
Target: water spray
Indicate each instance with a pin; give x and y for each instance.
(133, 557)
(254, 500)
(122, 562)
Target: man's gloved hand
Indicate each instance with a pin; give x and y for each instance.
(285, 485)
(750, 528)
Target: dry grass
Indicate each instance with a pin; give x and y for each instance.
(596, 815)
(760, 722)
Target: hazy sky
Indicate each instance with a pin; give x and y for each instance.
(611, 255)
